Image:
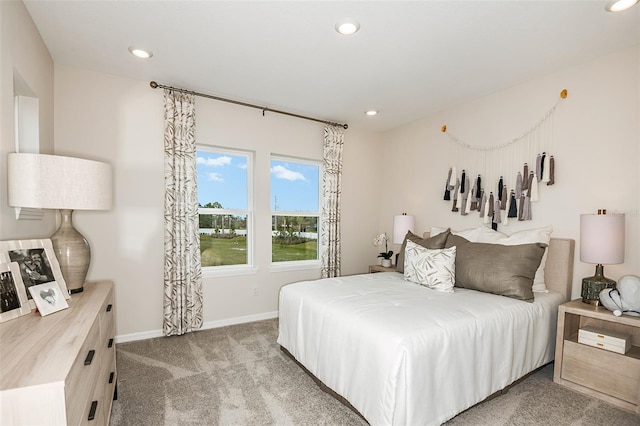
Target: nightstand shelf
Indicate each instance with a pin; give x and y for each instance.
(603, 374)
(380, 268)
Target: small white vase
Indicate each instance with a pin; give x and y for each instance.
(386, 263)
(380, 260)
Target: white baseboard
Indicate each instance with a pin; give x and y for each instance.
(207, 325)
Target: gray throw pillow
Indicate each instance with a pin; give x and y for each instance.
(432, 243)
(495, 268)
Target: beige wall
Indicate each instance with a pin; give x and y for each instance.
(596, 147)
(119, 121)
(22, 51)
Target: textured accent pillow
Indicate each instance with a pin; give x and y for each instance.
(431, 268)
(538, 235)
(483, 234)
(496, 268)
(436, 242)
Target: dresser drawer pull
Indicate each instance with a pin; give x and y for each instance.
(110, 343)
(109, 306)
(92, 411)
(111, 377)
(89, 357)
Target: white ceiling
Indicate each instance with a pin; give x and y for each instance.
(409, 59)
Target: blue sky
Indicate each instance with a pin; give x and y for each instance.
(295, 185)
(222, 177)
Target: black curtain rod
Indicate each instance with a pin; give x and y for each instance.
(155, 85)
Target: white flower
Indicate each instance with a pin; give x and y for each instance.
(380, 239)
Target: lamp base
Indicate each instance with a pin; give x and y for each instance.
(592, 286)
(72, 251)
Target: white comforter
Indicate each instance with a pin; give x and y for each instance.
(403, 354)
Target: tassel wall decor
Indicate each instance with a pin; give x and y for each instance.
(517, 188)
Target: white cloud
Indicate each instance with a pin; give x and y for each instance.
(215, 177)
(214, 162)
(282, 172)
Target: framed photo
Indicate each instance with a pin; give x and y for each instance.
(37, 261)
(48, 297)
(13, 296)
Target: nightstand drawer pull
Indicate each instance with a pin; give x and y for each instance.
(109, 306)
(110, 344)
(92, 411)
(111, 377)
(89, 357)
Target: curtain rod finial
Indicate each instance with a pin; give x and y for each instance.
(443, 128)
(153, 85)
(564, 94)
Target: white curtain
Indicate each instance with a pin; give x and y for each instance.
(182, 269)
(331, 189)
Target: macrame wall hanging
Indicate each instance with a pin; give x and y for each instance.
(499, 183)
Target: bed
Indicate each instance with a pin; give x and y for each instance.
(402, 354)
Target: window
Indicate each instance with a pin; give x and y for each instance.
(295, 213)
(224, 198)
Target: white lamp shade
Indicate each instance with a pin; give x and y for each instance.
(57, 182)
(402, 223)
(602, 238)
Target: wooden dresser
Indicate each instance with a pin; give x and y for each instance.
(60, 369)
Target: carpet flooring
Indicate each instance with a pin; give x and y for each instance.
(237, 375)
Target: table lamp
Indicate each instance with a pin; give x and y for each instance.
(601, 242)
(402, 223)
(64, 183)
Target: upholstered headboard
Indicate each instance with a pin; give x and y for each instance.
(558, 271)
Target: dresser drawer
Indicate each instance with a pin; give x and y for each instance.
(98, 406)
(80, 382)
(601, 370)
(106, 317)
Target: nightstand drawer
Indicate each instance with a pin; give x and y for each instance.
(601, 370)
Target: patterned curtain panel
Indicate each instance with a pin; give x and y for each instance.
(182, 270)
(331, 189)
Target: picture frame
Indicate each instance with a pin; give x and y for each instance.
(48, 297)
(37, 261)
(13, 296)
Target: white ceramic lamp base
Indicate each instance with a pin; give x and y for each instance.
(73, 253)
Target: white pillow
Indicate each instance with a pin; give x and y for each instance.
(484, 234)
(471, 234)
(431, 268)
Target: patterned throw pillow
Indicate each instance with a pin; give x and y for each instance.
(431, 268)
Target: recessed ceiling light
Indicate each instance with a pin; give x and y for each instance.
(140, 53)
(371, 112)
(347, 26)
(620, 5)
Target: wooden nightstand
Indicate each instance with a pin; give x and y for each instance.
(380, 268)
(603, 374)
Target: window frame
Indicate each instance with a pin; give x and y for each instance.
(249, 267)
(292, 265)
